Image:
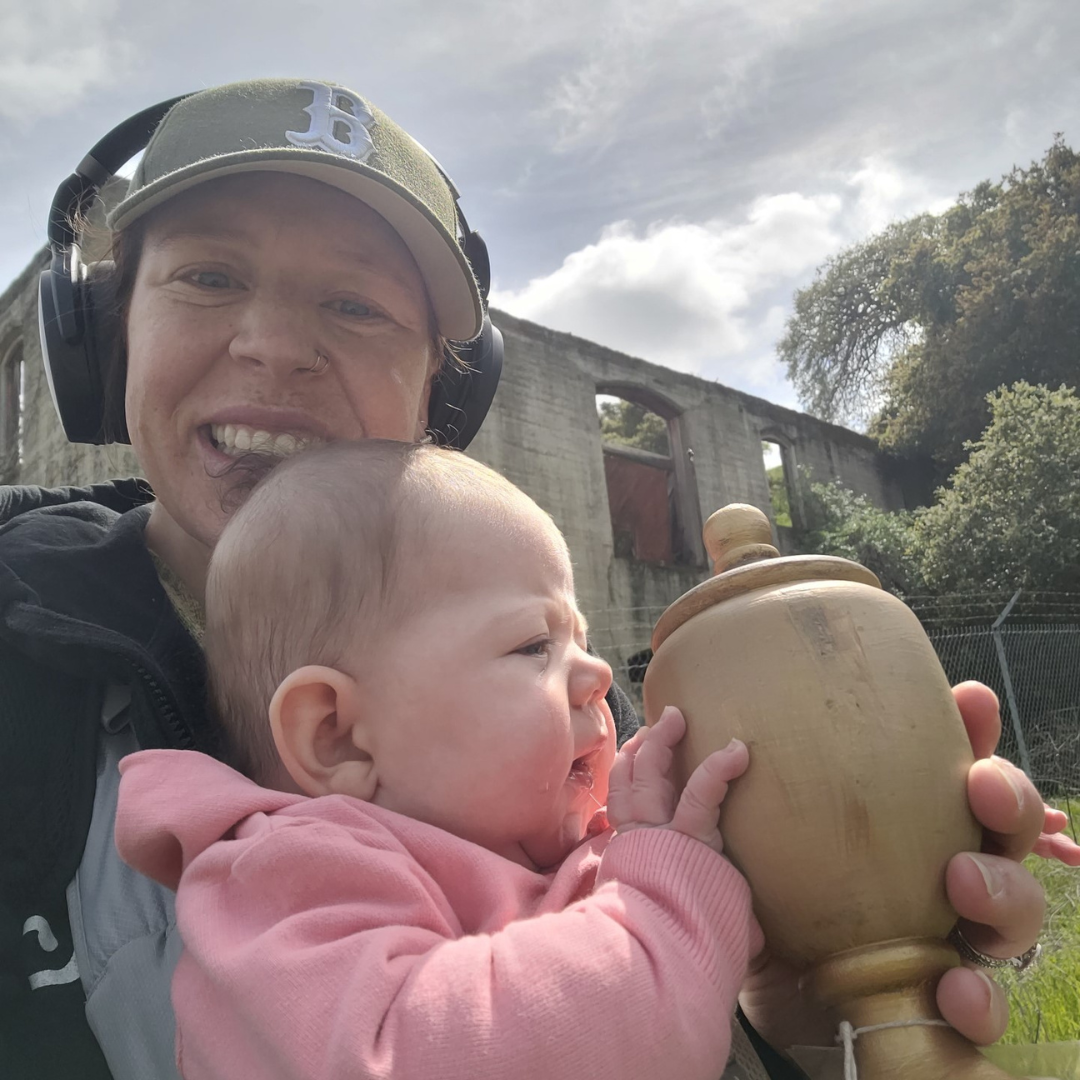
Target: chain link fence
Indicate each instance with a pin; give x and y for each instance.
(1026, 647)
(1028, 652)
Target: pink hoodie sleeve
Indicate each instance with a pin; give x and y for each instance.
(312, 956)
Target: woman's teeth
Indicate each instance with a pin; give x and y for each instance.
(235, 439)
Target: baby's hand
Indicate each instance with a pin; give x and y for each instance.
(642, 795)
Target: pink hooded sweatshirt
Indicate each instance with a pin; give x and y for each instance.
(329, 938)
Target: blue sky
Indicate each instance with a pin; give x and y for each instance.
(656, 175)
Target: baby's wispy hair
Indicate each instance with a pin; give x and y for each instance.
(316, 564)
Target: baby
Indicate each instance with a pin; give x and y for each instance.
(408, 874)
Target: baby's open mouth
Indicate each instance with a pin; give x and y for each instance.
(581, 772)
(238, 439)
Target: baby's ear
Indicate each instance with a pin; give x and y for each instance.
(317, 722)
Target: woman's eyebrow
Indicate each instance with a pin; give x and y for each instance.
(223, 234)
(362, 262)
(183, 234)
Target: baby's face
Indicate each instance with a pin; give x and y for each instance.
(491, 719)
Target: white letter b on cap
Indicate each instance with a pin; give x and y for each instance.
(329, 121)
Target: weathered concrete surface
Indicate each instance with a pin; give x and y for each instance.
(543, 434)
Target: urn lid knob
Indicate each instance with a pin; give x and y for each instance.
(738, 534)
(744, 561)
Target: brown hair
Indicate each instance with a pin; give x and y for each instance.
(317, 562)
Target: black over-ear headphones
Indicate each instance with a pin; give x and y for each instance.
(77, 317)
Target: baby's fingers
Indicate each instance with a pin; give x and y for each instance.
(620, 780)
(639, 788)
(699, 806)
(652, 792)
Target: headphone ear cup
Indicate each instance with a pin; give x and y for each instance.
(71, 336)
(104, 340)
(62, 331)
(462, 392)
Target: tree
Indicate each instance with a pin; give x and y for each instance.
(1010, 516)
(841, 523)
(851, 322)
(778, 496)
(913, 328)
(630, 424)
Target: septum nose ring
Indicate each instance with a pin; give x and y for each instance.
(322, 362)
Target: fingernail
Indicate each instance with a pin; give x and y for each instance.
(995, 1002)
(990, 875)
(1009, 772)
(988, 986)
(987, 983)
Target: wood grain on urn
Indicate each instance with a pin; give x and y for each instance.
(856, 794)
(858, 757)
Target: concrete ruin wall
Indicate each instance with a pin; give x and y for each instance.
(543, 434)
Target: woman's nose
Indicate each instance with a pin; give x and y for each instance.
(590, 679)
(275, 335)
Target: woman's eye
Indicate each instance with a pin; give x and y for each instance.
(211, 279)
(353, 308)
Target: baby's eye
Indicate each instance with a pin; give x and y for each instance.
(211, 279)
(540, 647)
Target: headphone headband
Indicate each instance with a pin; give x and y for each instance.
(80, 338)
(99, 165)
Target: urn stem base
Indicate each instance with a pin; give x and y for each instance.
(893, 983)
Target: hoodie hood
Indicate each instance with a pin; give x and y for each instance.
(174, 804)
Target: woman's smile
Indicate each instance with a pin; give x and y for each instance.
(237, 439)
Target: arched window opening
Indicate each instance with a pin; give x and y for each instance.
(650, 491)
(779, 490)
(11, 413)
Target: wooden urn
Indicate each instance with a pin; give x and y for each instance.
(856, 796)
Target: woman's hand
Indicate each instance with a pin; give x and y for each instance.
(1000, 903)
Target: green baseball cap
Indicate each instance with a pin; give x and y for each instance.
(328, 133)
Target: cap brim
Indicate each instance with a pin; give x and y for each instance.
(451, 286)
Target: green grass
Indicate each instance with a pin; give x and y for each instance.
(1044, 1002)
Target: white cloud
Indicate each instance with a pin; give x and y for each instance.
(885, 193)
(712, 298)
(627, 56)
(52, 54)
(734, 85)
(687, 295)
(620, 57)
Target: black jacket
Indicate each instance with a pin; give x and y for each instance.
(81, 606)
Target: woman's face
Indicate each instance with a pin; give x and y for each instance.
(240, 284)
